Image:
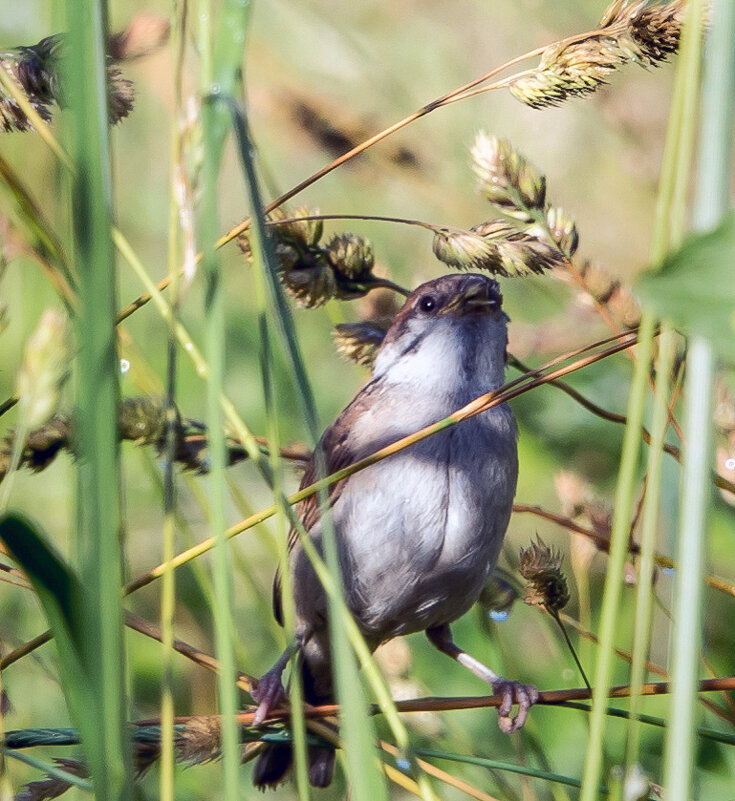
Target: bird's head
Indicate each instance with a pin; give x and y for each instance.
(451, 332)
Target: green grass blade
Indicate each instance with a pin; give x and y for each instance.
(62, 597)
(221, 60)
(710, 204)
(616, 563)
(98, 493)
(646, 564)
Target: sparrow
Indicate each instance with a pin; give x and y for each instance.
(419, 532)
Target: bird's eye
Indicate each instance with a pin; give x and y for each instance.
(427, 303)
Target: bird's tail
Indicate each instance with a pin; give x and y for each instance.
(274, 762)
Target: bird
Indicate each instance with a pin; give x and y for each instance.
(419, 532)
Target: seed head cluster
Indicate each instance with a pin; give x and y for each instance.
(311, 272)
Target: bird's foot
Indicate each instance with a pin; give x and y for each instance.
(513, 692)
(268, 694)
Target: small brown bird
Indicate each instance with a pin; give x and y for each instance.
(419, 532)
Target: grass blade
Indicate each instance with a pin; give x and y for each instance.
(710, 204)
(98, 491)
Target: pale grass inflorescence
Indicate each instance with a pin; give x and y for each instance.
(629, 32)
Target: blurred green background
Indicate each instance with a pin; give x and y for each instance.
(319, 77)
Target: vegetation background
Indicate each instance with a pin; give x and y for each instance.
(320, 76)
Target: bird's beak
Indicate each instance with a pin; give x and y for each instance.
(474, 299)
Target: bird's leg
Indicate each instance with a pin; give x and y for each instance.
(512, 692)
(270, 688)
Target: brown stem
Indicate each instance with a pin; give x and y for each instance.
(436, 704)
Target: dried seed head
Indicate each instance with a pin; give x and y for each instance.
(467, 251)
(546, 586)
(53, 787)
(521, 252)
(506, 178)
(351, 256)
(298, 232)
(295, 242)
(120, 95)
(569, 71)
(359, 342)
(529, 255)
(656, 30)
(629, 32)
(36, 70)
(143, 421)
(44, 370)
(563, 231)
(310, 286)
(199, 741)
(494, 229)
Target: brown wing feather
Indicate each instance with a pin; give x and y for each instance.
(337, 454)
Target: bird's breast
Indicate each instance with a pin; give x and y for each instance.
(419, 531)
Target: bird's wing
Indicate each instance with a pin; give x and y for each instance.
(336, 453)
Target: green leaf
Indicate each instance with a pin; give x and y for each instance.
(60, 593)
(55, 583)
(695, 286)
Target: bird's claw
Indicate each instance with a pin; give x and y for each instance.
(268, 694)
(514, 692)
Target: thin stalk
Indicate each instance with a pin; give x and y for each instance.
(495, 764)
(214, 312)
(646, 563)
(618, 549)
(565, 634)
(168, 581)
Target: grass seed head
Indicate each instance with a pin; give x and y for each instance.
(546, 586)
(44, 370)
(37, 70)
(359, 342)
(636, 32)
(351, 256)
(466, 250)
(563, 230)
(506, 178)
(311, 286)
